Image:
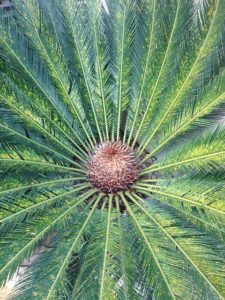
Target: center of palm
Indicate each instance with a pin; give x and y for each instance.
(113, 167)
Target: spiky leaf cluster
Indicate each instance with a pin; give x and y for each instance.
(76, 75)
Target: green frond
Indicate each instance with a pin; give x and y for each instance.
(201, 255)
(194, 116)
(162, 287)
(58, 220)
(185, 79)
(112, 149)
(198, 153)
(198, 211)
(94, 280)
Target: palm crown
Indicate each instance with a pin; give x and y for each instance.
(112, 148)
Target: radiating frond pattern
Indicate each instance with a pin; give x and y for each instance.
(77, 76)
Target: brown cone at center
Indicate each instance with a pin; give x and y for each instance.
(113, 167)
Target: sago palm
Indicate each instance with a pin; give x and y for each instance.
(113, 148)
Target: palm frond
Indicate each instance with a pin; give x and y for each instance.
(190, 250)
(112, 149)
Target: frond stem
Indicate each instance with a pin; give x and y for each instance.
(121, 77)
(147, 243)
(159, 75)
(101, 84)
(154, 168)
(43, 164)
(144, 75)
(102, 282)
(44, 203)
(41, 184)
(40, 145)
(193, 202)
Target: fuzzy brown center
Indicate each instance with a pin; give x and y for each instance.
(113, 167)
